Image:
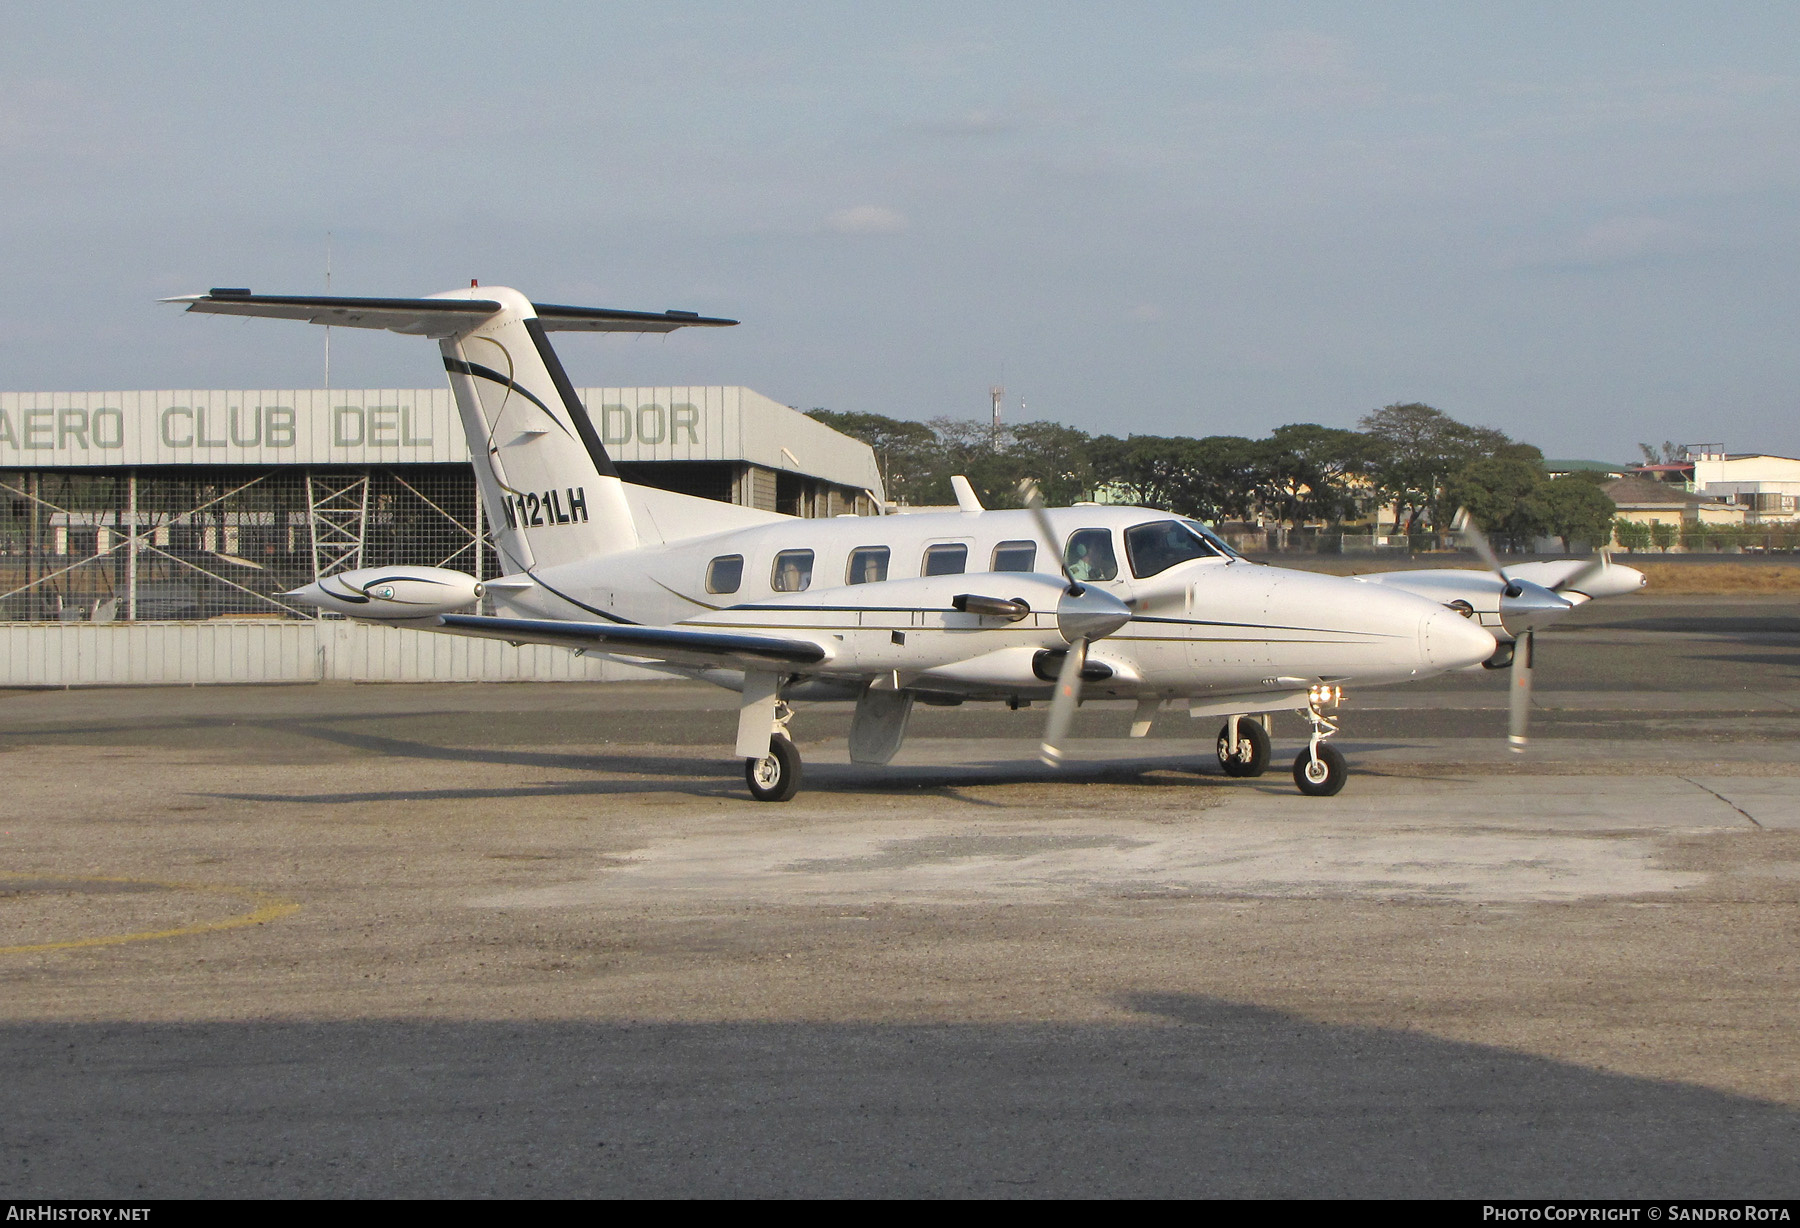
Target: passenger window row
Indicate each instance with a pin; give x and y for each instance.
(1153, 548)
(792, 571)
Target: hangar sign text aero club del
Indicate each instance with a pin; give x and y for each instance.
(112, 434)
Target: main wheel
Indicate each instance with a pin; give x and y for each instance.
(1252, 757)
(1321, 776)
(776, 776)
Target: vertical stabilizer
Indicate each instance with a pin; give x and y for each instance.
(551, 492)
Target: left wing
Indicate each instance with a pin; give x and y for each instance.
(677, 645)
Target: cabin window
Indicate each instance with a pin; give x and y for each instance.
(868, 565)
(725, 574)
(1015, 556)
(1159, 545)
(1090, 556)
(792, 572)
(949, 559)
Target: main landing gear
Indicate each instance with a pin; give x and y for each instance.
(1244, 747)
(776, 776)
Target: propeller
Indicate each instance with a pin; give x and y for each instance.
(1084, 615)
(1522, 606)
(1578, 581)
(1518, 700)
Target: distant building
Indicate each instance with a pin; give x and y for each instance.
(1562, 468)
(1766, 487)
(1643, 500)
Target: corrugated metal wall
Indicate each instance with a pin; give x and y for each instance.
(246, 651)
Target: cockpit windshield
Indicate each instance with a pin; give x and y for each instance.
(1161, 544)
(1218, 542)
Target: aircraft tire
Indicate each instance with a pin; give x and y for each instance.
(776, 776)
(1326, 776)
(1252, 758)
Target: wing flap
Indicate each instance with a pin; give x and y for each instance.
(681, 645)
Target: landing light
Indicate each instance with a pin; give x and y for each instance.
(1325, 696)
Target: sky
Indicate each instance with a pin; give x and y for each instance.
(1579, 224)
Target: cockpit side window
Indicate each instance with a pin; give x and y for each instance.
(1015, 556)
(725, 574)
(868, 565)
(792, 572)
(1161, 544)
(1089, 555)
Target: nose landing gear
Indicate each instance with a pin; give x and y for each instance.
(1320, 770)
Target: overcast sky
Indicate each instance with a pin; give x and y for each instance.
(1576, 222)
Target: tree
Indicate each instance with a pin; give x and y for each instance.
(1670, 454)
(1503, 496)
(1060, 459)
(1308, 472)
(1632, 534)
(902, 449)
(1216, 478)
(1576, 509)
(1415, 449)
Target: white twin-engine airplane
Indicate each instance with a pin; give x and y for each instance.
(1005, 606)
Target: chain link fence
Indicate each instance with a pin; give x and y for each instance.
(179, 543)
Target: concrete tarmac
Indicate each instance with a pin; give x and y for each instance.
(535, 941)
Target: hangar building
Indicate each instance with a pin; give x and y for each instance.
(207, 506)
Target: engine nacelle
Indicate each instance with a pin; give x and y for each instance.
(392, 592)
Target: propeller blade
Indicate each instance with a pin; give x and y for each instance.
(1470, 537)
(1577, 581)
(1519, 702)
(1034, 501)
(1062, 704)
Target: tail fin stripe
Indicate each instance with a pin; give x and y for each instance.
(578, 413)
(476, 369)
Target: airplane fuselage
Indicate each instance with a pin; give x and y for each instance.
(1201, 626)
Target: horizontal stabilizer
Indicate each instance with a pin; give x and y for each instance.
(680, 645)
(432, 317)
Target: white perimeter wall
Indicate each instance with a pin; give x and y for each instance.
(242, 650)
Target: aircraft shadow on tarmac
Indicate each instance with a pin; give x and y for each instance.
(1201, 1098)
(704, 775)
(1729, 625)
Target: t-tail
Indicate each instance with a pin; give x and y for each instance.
(551, 492)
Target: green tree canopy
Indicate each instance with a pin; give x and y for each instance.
(1504, 496)
(1416, 449)
(1577, 511)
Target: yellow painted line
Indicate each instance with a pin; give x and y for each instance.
(268, 908)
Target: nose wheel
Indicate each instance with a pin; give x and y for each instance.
(1320, 771)
(776, 776)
